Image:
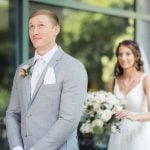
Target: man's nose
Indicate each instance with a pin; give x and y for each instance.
(35, 30)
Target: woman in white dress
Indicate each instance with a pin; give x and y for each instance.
(132, 86)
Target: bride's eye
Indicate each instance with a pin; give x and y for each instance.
(120, 54)
(128, 53)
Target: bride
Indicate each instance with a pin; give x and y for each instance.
(132, 86)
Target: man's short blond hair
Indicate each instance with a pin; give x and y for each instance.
(53, 17)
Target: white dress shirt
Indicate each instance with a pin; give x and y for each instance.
(41, 63)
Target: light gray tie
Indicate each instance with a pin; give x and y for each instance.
(37, 71)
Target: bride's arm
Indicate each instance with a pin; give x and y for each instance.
(146, 86)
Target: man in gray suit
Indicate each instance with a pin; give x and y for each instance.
(47, 94)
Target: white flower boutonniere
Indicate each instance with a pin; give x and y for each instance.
(25, 71)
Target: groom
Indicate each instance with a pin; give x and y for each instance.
(47, 94)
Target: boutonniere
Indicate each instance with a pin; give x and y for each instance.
(25, 71)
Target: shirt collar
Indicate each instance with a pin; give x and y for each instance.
(46, 57)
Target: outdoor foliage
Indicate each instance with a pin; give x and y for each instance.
(91, 37)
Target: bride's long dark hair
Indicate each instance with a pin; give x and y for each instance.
(134, 47)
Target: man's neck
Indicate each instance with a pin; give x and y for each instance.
(43, 50)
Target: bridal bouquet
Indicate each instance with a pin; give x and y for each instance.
(99, 113)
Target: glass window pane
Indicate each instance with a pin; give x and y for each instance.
(145, 5)
(124, 4)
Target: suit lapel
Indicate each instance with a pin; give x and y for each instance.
(27, 83)
(53, 62)
(28, 89)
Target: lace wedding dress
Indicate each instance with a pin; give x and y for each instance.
(133, 135)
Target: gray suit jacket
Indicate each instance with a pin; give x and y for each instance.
(48, 120)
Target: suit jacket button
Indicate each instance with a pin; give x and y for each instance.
(29, 115)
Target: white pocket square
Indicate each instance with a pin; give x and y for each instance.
(50, 76)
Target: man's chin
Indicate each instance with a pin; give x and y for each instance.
(36, 45)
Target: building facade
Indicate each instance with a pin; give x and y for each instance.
(90, 29)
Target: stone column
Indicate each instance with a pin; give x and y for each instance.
(143, 29)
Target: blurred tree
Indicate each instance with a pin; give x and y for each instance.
(4, 96)
(89, 37)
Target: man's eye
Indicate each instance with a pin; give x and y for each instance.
(31, 27)
(41, 25)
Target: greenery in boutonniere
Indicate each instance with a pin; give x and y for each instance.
(25, 71)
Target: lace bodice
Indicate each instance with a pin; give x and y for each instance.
(135, 100)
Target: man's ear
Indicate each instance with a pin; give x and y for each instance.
(57, 29)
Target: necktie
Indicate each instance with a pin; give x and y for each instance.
(37, 71)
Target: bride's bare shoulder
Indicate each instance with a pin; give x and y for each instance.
(147, 78)
(146, 82)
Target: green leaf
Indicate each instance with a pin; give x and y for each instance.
(98, 130)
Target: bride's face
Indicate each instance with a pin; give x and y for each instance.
(125, 57)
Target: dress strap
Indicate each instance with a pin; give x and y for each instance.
(143, 76)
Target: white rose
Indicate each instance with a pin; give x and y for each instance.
(112, 100)
(114, 129)
(86, 128)
(98, 123)
(96, 106)
(118, 108)
(108, 105)
(106, 115)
